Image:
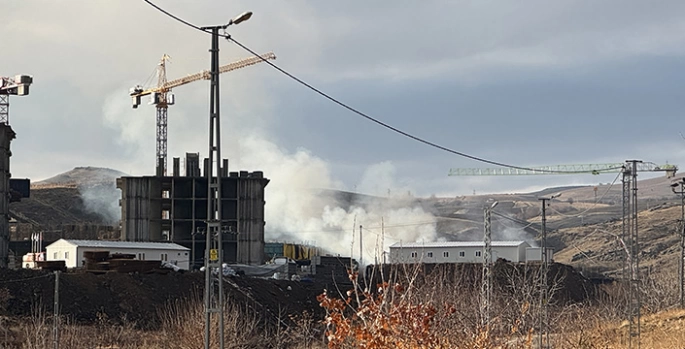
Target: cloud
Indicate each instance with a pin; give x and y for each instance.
(446, 70)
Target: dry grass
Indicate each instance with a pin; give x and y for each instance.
(441, 310)
(182, 328)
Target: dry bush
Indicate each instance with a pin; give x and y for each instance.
(402, 315)
(5, 297)
(659, 291)
(184, 326)
(38, 333)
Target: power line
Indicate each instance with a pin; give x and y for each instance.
(356, 111)
(591, 206)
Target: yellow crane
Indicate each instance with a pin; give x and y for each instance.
(162, 98)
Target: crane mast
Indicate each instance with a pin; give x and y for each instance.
(19, 86)
(162, 98)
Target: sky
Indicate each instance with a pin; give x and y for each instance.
(525, 83)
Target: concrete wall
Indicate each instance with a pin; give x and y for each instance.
(465, 254)
(135, 208)
(6, 137)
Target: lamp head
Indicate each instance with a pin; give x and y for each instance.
(240, 18)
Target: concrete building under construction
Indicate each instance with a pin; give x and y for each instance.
(6, 137)
(174, 208)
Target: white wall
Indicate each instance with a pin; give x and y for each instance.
(62, 251)
(534, 254)
(467, 254)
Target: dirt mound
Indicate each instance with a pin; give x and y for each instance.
(141, 298)
(568, 284)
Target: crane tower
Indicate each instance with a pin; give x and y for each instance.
(162, 98)
(17, 86)
(629, 237)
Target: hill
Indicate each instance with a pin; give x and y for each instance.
(83, 176)
(80, 203)
(584, 224)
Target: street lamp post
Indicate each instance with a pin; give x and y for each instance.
(681, 272)
(214, 245)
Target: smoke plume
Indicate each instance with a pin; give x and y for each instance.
(300, 209)
(102, 199)
(303, 202)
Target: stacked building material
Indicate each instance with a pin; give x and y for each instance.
(51, 265)
(133, 266)
(96, 260)
(102, 262)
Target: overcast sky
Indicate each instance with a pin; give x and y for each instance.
(526, 83)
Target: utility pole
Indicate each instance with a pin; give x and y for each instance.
(214, 292)
(630, 227)
(55, 312)
(361, 250)
(214, 295)
(543, 339)
(681, 231)
(486, 281)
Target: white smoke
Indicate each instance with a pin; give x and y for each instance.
(514, 234)
(102, 199)
(297, 210)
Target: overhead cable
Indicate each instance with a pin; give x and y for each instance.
(354, 110)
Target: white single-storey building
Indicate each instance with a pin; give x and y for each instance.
(460, 252)
(71, 251)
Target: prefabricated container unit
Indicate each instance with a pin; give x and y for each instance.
(534, 254)
(456, 252)
(71, 251)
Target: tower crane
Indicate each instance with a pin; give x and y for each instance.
(629, 237)
(162, 97)
(594, 169)
(18, 86)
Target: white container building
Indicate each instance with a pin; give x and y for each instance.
(460, 252)
(71, 251)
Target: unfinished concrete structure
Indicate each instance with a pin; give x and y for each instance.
(162, 208)
(6, 137)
